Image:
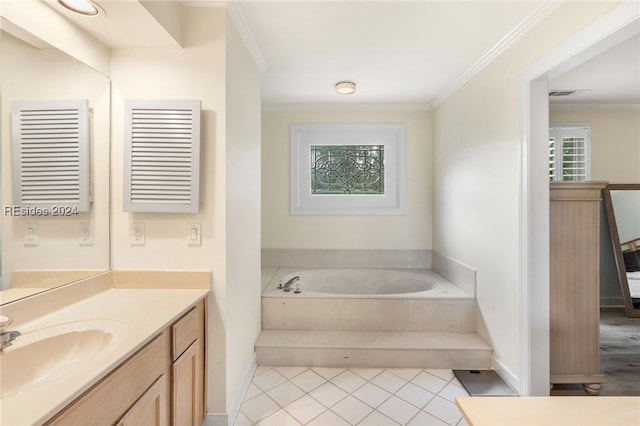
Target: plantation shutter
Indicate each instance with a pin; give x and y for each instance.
(569, 154)
(162, 156)
(51, 154)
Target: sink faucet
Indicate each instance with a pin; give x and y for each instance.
(287, 286)
(6, 337)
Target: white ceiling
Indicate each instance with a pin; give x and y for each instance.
(409, 53)
(613, 78)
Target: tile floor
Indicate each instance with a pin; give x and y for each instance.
(318, 396)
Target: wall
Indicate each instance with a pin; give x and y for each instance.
(477, 178)
(30, 73)
(211, 59)
(242, 169)
(615, 155)
(282, 230)
(615, 136)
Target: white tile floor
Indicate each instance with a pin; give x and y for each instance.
(282, 396)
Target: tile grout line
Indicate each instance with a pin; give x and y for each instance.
(367, 380)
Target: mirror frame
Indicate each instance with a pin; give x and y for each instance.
(617, 249)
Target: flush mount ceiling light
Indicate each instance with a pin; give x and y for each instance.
(83, 7)
(345, 87)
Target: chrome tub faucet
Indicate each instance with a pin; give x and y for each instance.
(6, 336)
(288, 284)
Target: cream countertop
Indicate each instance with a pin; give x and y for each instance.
(551, 411)
(140, 314)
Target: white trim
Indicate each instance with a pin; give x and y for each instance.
(505, 374)
(616, 26)
(345, 107)
(238, 398)
(228, 419)
(593, 106)
(523, 27)
(235, 11)
(391, 136)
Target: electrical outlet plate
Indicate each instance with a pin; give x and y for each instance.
(86, 236)
(137, 234)
(194, 234)
(31, 235)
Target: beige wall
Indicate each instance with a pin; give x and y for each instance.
(229, 191)
(477, 134)
(282, 230)
(615, 141)
(242, 169)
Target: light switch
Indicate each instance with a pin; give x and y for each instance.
(31, 234)
(194, 234)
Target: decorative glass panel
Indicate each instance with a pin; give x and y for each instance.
(347, 169)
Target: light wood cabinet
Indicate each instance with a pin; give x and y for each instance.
(162, 384)
(575, 284)
(188, 369)
(151, 408)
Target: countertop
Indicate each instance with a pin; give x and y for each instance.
(551, 411)
(140, 315)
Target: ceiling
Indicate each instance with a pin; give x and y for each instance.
(408, 53)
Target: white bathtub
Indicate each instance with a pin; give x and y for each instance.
(366, 299)
(364, 283)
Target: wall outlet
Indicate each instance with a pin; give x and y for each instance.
(86, 236)
(137, 234)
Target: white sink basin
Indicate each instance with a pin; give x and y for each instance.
(43, 356)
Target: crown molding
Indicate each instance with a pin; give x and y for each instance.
(235, 11)
(592, 106)
(523, 27)
(237, 16)
(344, 107)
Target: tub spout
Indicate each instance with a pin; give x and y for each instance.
(287, 286)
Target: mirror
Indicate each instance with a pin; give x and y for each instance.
(622, 204)
(68, 246)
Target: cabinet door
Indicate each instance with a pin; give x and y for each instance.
(188, 390)
(151, 409)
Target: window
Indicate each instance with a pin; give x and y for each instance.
(347, 169)
(569, 153)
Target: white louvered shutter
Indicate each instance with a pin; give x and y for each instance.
(162, 156)
(51, 154)
(569, 153)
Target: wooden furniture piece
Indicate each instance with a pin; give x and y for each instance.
(162, 384)
(575, 284)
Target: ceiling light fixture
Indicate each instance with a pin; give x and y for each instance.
(83, 7)
(345, 87)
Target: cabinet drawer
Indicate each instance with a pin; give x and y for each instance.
(186, 331)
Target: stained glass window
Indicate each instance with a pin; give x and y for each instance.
(347, 169)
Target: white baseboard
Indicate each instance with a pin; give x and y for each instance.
(505, 374)
(229, 418)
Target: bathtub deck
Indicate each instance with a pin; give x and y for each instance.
(372, 349)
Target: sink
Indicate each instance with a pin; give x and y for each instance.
(45, 355)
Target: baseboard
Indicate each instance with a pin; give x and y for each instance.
(611, 302)
(238, 398)
(229, 418)
(216, 419)
(506, 374)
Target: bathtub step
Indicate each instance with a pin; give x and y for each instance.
(319, 348)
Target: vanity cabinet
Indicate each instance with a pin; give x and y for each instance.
(575, 284)
(162, 384)
(187, 393)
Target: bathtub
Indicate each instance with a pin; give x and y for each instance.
(363, 283)
(365, 300)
